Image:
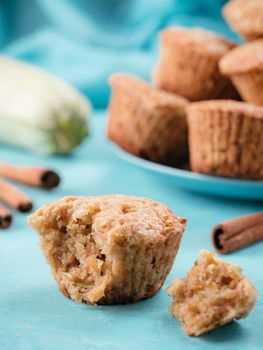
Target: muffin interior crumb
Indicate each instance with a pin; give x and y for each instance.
(78, 261)
(214, 293)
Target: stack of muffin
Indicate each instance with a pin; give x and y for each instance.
(207, 96)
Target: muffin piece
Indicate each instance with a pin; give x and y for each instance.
(213, 293)
(147, 122)
(225, 138)
(189, 64)
(108, 249)
(245, 17)
(244, 65)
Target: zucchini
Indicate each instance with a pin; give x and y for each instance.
(38, 111)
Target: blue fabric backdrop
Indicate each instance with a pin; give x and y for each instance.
(84, 41)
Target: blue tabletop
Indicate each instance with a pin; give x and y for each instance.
(35, 315)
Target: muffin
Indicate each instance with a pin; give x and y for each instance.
(245, 17)
(225, 138)
(244, 65)
(189, 64)
(147, 122)
(213, 293)
(108, 249)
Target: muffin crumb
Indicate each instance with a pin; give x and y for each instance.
(214, 293)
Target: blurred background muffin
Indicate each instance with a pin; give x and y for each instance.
(245, 17)
(225, 138)
(188, 64)
(244, 65)
(147, 122)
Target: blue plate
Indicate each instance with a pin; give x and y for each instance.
(213, 185)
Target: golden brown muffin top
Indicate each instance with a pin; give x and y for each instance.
(243, 58)
(228, 106)
(151, 95)
(197, 39)
(118, 215)
(245, 16)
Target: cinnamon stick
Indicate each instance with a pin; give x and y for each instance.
(15, 198)
(31, 176)
(5, 217)
(238, 233)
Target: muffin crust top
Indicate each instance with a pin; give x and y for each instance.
(198, 39)
(245, 15)
(243, 58)
(152, 96)
(119, 214)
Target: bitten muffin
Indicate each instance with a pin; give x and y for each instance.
(244, 65)
(214, 293)
(147, 122)
(108, 249)
(245, 17)
(225, 138)
(189, 64)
